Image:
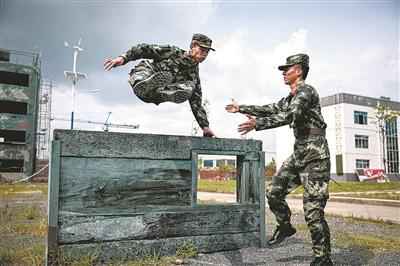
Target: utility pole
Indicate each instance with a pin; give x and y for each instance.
(74, 76)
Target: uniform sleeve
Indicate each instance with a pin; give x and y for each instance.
(264, 110)
(197, 107)
(294, 114)
(149, 51)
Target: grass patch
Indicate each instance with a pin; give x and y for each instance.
(31, 254)
(187, 250)
(223, 186)
(20, 189)
(370, 242)
(356, 187)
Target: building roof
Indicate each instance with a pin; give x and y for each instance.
(358, 100)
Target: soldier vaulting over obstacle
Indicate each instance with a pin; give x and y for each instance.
(308, 165)
(172, 76)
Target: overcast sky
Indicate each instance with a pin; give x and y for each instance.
(353, 48)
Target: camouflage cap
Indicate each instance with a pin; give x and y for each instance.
(302, 59)
(203, 40)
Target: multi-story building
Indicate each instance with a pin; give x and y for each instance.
(19, 89)
(356, 138)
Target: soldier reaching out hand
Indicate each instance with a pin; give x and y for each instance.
(308, 165)
(171, 76)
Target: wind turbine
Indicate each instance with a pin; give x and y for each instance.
(74, 76)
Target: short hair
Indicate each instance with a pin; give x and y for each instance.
(304, 71)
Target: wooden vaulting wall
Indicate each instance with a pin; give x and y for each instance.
(126, 195)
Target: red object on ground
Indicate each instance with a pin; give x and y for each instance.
(373, 171)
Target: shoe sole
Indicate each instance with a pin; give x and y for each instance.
(280, 241)
(143, 88)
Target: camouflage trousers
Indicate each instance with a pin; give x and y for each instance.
(153, 86)
(315, 177)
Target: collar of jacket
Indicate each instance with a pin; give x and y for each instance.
(298, 84)
(186, 56)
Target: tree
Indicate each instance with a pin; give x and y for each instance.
(383, 114)
(270, 169)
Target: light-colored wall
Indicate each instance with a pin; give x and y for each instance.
(340, 133)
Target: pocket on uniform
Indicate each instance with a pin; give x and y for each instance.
(316, 189)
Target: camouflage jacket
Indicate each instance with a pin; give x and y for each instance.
(301, 112)
(175, 60)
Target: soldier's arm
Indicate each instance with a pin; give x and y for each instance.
(293, 114)
(197, 108)
(262, 111)
(149, 51)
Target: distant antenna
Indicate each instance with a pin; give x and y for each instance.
(74, 76)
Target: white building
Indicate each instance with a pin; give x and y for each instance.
(354, 138)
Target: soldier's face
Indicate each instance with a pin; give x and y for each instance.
(199, 54)
(291, 74)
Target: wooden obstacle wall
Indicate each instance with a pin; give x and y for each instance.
(121, 196)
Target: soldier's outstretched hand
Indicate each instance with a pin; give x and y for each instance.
(110, 63)
(232, 107)
(207, 132)
(247, 126)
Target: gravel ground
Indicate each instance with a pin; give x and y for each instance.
(296, 250)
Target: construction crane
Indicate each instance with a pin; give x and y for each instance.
(106, 124)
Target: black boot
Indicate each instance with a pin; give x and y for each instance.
(281, 232)
(322, 261)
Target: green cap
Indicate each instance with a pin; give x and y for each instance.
(302, 59)
(203, 40)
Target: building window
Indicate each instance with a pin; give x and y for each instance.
(13, 107)
(362, 164)
(361, 141)
(360, 117)
(16, 136)
(392, 147)
(11, 165)
(208, 163)
(12, 78)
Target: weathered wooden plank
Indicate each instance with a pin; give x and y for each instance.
(123, 183)
(130, 249)
(222, 144)
(261, 182)
(53, 193)
(127, 145)
(194, 178)
(143, 209)
(90, 228)
(244, 182)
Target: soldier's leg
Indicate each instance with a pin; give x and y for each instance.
(286, 180)
(315, 179)
(158, 86)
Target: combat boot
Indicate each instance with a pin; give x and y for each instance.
(322, 261)
(148, 89)
(177, 92)
(281, 232)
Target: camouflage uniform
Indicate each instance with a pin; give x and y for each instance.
(171, 75)
(308, 165)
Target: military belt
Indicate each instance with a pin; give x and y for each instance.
(303, 132)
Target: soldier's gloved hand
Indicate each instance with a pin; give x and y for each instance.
(207, 132)
(233, 107)
(110, 63)
(247, 126)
